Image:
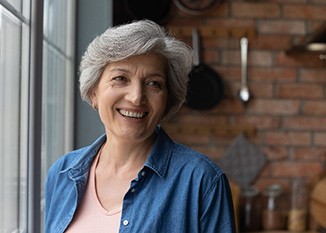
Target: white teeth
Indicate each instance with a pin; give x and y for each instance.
(132, 114)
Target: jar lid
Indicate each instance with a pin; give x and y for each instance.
(250, 192)
(273, 190)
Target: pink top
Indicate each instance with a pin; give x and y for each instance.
(90, 215)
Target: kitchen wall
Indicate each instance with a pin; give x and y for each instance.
(286, 117)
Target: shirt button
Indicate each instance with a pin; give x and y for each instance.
(125, 222)
(132, 190)
(143, 173)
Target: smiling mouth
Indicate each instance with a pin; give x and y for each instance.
(130, 114)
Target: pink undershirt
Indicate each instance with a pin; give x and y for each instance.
(90, 215)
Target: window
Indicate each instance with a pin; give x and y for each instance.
(57, 101)
(14, 36)
(58, 81)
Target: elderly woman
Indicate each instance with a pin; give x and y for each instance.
(134, 178)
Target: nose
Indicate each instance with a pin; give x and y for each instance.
(136, 94)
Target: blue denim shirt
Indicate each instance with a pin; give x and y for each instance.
(177, 191)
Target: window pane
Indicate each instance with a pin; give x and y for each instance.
(58, 80)
(54, 104)
(11, 183)
(57, 20)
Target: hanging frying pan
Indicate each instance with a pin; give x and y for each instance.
(157, 11)
(205, 87)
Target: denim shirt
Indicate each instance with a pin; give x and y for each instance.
(178, 190)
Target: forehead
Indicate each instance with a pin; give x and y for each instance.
(150, 61)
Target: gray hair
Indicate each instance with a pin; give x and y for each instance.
(139, 37)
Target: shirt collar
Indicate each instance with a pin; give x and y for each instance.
(159, 158)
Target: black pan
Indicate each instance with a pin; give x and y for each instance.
(157, 11)
(205, 87)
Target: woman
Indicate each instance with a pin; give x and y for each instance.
(135, 178)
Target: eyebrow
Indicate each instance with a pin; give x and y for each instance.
(153, 74)
(118, 69)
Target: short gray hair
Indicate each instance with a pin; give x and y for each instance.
(139, 37)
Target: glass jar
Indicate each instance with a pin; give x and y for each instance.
(273, 210)
(250, 210)
(297, 218)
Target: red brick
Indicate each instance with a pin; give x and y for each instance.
(315, 108)
(274, 107)
(257, 58)
(320, 139)
(271, 42)
(296, 169)
(228, 73)
(255, 10)
(305, 123)
(306, 91)
(257, 89)
(209, 57)
(309, 154)
(304, 11)
(215, 43)
(229, 106)
(192, 117)
(287, 138)
(314, 75)
(260, 89)
(230, 22)
(260, 122)
(275, 153)
(272, 74)
(260, 58)
(221, 10)
(281, 27)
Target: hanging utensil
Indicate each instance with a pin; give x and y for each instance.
(205, 86)
(244, 93)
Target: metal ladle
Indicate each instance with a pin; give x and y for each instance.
(244, 93)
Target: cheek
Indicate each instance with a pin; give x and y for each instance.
(109, 96)
(161, 104)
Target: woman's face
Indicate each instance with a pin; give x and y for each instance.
(131, 96)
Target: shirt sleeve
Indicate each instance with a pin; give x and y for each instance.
(217, 215)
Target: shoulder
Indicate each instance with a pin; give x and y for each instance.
(195, 159)
(78, 157)
(197, 168)
(67, 161)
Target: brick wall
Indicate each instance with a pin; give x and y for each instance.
(288, 108)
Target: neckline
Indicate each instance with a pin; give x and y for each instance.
(94, 190)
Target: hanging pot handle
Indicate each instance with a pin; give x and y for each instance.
(195, 46)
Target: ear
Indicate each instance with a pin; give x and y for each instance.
(93, 98)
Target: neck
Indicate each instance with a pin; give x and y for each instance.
(121, 157)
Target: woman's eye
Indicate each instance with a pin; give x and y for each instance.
(119, 78)
(155, 84)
